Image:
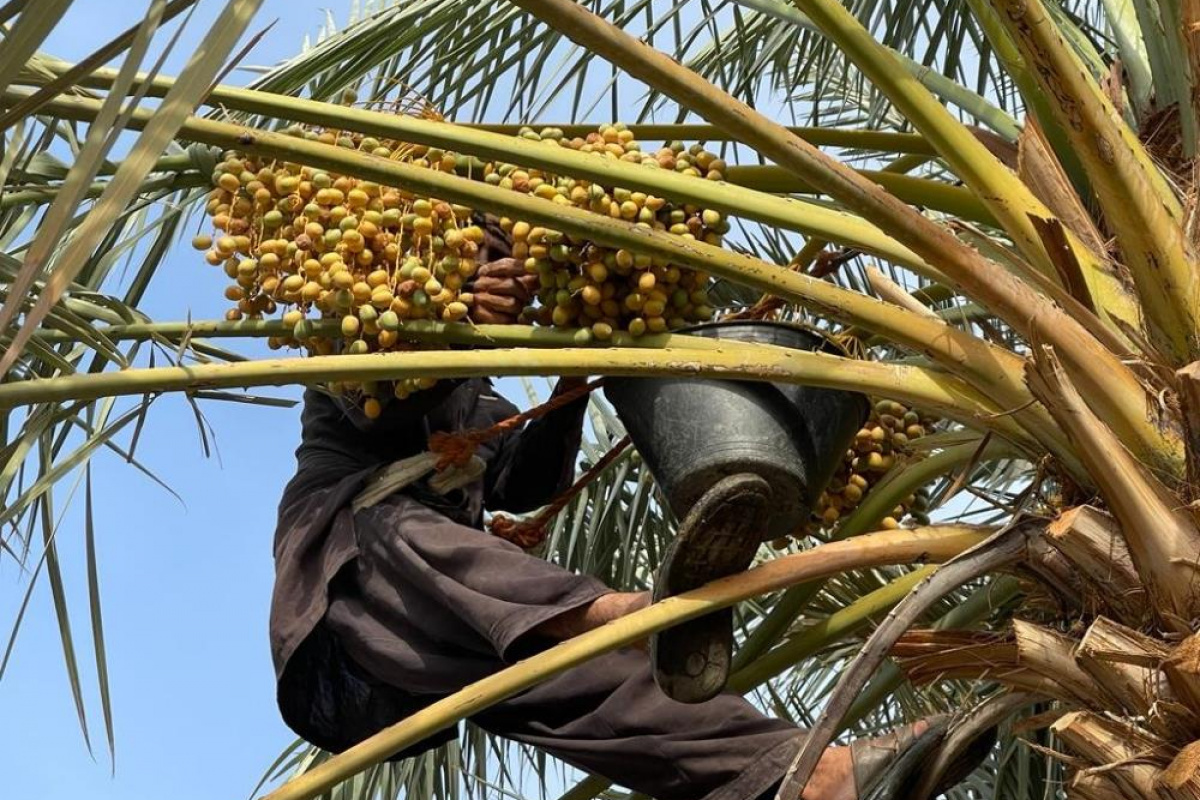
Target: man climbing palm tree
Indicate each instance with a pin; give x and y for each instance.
(381, 609)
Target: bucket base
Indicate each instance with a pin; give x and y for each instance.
(786, 491)
(719, 537)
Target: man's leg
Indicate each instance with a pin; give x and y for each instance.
(434, 606)
(601, 611)
(608, 717)
(618, 676)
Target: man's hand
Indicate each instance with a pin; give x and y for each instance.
(502, 288)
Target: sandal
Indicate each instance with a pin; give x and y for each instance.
(890, 767)
(719, 537)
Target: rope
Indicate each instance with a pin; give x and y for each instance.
(532, 532)
(456, 449)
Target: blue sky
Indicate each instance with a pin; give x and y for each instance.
(185, 585)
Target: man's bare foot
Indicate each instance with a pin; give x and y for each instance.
(616, 605)
(602, 610)
(833, 778)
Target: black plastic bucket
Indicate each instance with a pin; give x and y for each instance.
(692, 433)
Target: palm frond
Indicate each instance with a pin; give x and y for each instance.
(739, 46)
(64, 237)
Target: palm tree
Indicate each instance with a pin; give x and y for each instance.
(1015, 258)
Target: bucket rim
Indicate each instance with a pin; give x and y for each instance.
(771, 323)
(828, 345)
